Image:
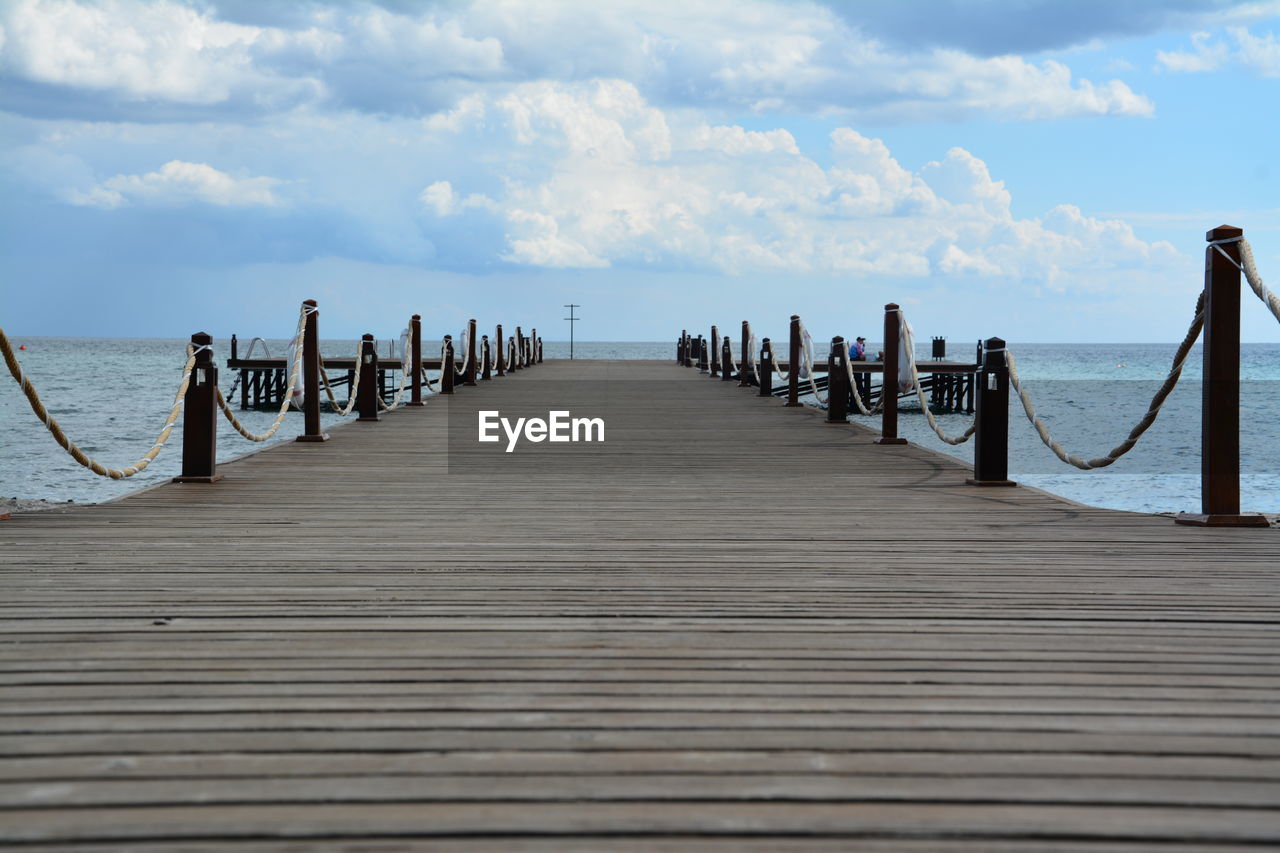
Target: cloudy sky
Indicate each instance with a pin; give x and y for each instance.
(1043, 170)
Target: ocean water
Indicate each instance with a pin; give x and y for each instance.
(111, 396)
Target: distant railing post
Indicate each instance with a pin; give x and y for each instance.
(714, 364)
(367, 394)
(499, 344)
(539, 340)
(889, 381)
(470, 372)
(991, 436)
(700, 353)
(533, 347)
(744, 369)
(726, 359)
(688, 350)
(837, 383)
(485, 366)
(766, 368)
(200, 417)
(793, 368)
(415, 359)
(680, 347)
(517, 361)
(311, 376)
(447, 366)
(1220, 396)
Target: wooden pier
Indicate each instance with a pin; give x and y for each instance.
(749, 630)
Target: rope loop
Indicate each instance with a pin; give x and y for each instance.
(909, 346)
(1153, 410)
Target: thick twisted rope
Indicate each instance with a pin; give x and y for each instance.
(37, 406)
(853, 385)
(1148, 419)
(355, 385)
(1250, 270)
(806, 359)
(909, 345)
(287, 400)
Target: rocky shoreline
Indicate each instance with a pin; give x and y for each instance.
(17, 505)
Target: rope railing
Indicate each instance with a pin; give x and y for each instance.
(853, 385)
(909, 347)
(1250, 270)
(1153, 410)
(288, 398)
(41, 412)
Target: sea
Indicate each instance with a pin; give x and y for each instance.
(111, 396)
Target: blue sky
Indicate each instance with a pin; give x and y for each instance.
(1042, 171)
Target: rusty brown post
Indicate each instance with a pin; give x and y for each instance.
(499, 345)
(200, 417)
(539, 340)
(484, 358)
(991, 438)
(311, 376)
(766, 368)
(713, 361)
(889, 386)
(744, 369)
(415, 359)
(517, 361)
(1220, 406)
(533, 347)
(726, 359)
(837, 383)
(793, 369)
(367, 394)
(447, 366)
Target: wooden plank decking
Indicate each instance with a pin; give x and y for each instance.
(739, 629)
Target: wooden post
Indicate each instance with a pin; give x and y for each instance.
(311, 376)
(200, 417)
(517, 362)
(484, 358)
(991, 439)
(726, 360)
(793, 369)
(837, 383)
(889, 388)
(539, 350)
(367, 394)
(235, 348)
(714, 363)
(744, 369)
(1220, 406)
(533, 347)
(688, 350)
(415, 359)
(680, 347)
(766, 368)
(447, 366)
(499, 344)
(470, 372)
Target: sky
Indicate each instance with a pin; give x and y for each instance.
(1038, 170)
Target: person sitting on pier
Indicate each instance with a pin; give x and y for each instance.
(859, 352)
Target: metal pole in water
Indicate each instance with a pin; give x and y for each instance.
(572, 319)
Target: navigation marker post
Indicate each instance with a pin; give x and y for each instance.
(572, 319)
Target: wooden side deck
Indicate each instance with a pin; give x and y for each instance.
(752, 632)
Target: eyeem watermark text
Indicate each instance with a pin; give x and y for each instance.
(558, 427)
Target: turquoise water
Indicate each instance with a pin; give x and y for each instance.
(111, 396)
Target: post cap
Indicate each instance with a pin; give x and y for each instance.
(993, 343)
(795, 316)
(416, 317)
(366, 337)
(891, 306)
(310, 302)
(838, 339)
(1223, 232)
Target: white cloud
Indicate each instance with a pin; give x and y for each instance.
(762, 55)
(178, 183)
(725, 199)
(1259, 55)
